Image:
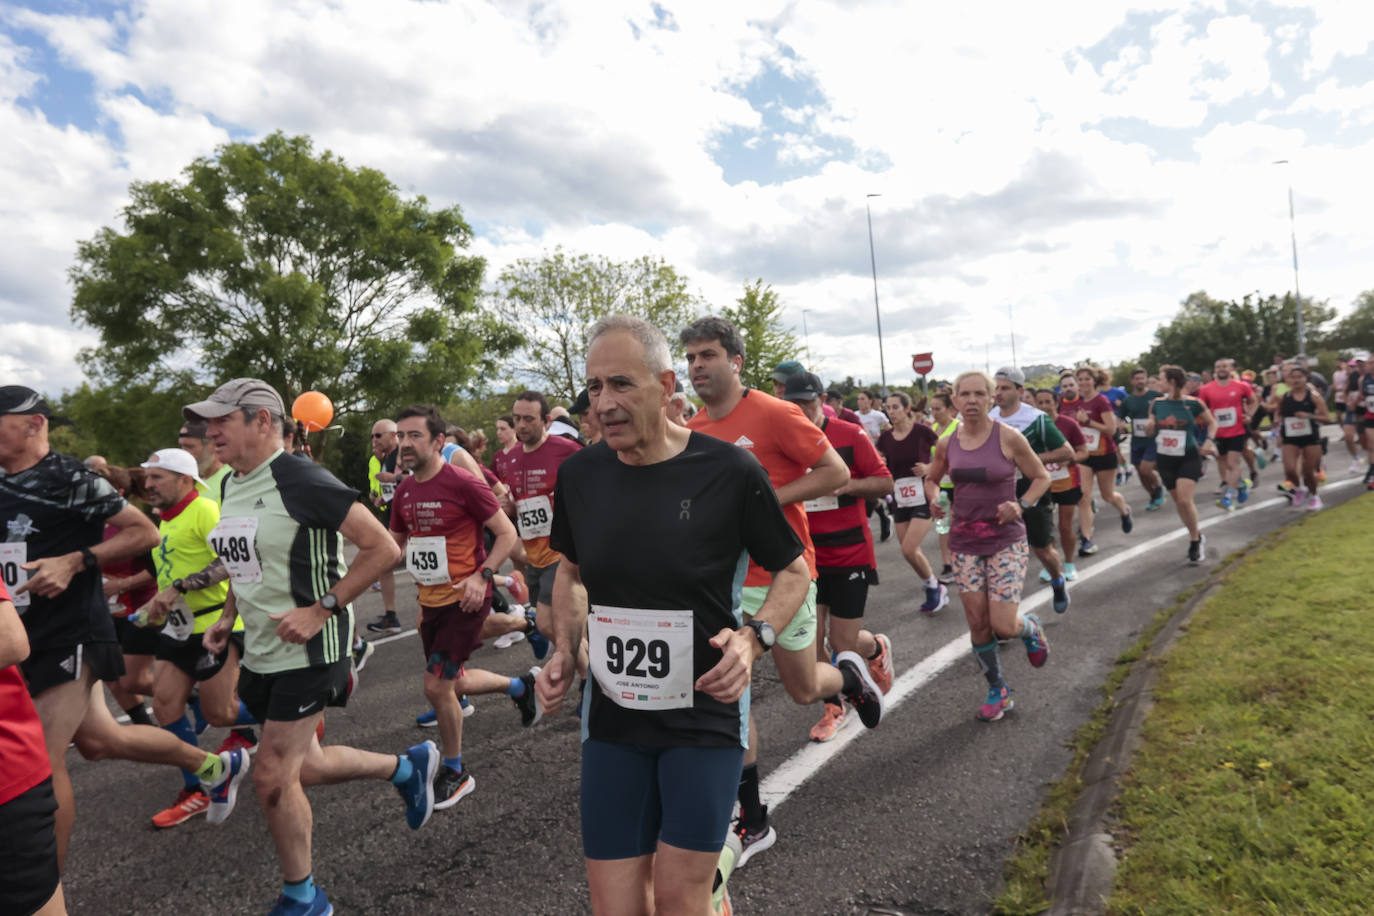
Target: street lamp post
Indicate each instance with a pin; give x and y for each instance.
(1293, 237)
(807, 333)
(877, 314)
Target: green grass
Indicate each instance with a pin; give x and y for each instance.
(1254, 789)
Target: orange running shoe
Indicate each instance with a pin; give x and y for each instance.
(515, 584)
(189, 803)
(830, 723)
(881, 667)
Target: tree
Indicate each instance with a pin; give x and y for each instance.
(757, 316)
(1355, 331)
(553, 300)
(268, 260)
(1250, 331)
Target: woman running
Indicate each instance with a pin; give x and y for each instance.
(987, 534)
(1098, 420)
(944, 419)
(906, 448)
(1065, 479)
(1299, 413)
(1173, 421)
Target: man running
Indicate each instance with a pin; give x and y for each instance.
(382, 477)
(54, 511)
(1231, 401)
(662, 729)
(845, 562)
(1134, 411)
(801, 465)
(280, 536)
(437, 519)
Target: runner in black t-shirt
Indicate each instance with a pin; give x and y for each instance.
(656, 521)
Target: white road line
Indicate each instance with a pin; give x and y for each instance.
(805, 763)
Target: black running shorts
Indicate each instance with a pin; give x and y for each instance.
(28, 847)
(48, 668)
(289, 696)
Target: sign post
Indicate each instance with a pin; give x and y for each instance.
(922, 363)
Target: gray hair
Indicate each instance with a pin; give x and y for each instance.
(657, 359)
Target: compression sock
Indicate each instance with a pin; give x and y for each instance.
(138, 715)
(302, 891)
(245, 717)
(516, 687)
(404, 769)
(194, 705)
(750, 808)
(182, 729)
(454, 763)
(211, 770)
(990, 661)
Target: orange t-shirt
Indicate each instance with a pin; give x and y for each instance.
(784, 441)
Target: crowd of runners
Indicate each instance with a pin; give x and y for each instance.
(647, 550)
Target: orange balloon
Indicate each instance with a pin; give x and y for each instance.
(314, 409)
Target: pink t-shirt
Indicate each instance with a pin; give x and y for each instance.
(1227, 404)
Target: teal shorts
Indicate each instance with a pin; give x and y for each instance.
(798, 635)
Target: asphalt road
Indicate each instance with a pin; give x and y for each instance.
(917, 816)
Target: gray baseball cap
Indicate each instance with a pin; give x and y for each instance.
(233, 395)
(1011, 374)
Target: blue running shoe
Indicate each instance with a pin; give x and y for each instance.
(1086, 548)
(427, 719)
(418, 790)
(539, 643)
(1156, 501)
(936, 598)
(1243, 494)
(1226, 502)
(320, 906)
(1060, 589)
(998, 702)
(224, 792)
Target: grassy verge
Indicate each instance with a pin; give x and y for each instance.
(1253, 790)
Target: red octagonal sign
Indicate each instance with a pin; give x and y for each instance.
(922, 362)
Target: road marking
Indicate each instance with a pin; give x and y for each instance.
(805, 763)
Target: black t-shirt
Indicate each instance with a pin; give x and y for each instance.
(671, 536)
(54, 508)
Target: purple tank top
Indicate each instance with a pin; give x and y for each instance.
(983, 479)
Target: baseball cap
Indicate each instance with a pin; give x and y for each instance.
(176, 460)
(251, 393)
(17, 399)
(1362, 356)
(1010, 374)
(803, 387)
(786, 369)
(582, 404)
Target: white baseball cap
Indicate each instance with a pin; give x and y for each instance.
(176, 460)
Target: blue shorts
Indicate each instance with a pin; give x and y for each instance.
(1142, 450)
(634, 797)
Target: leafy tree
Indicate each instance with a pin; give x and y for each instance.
(554, 300)
(269, 260)
(1251, 331)
(757, 316)
(125, 425)
(1355, 331)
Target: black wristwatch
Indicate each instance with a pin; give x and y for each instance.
(763, 632)
(179, 585)
(88, 560)
(330, 602)
(487, 573)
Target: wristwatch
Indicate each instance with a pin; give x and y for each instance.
(179, 585)
(487, 573)
(330, 602)
(764, 633)
(88, 560)
(1024, 505)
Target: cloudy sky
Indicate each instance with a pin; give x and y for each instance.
(1084, 164)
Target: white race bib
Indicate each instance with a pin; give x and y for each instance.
(13, 556)
(1093, 438)
(1138, 428)
(181, 623)
(388, 492)
(534, 517)
(235, 540)
(1057, 471)
(1294, 427)
(427, 560)
(1226, 417)
(909, 492)
(1171, 442)
(642, 659)
(821, 504)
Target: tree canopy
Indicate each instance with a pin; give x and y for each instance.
(1251, 331)
(757, 316)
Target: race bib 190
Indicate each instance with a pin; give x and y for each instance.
(427, 560)
(13, 556)
(642, 659)
(1171, 442)
(534, 517)
(235, 540)
(909, 492)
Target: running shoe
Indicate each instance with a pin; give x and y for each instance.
(1297, 496)
(1196, 549)
(320, 906)
(936, 598)
(515, 584)
(1227, 502)
(1321, 475)
(539, 643)
(509, 639)
(451, 785)
(1261, 460)
(1156, 501)
(1037, 647)
(868, 699)
(238, 739)
(1127, 523)
(1070, 571)
(1314, 502)
(884, 526)
(418, 791)
(1243, 494)
(1354, 466)
(881, 667)
(1061, 595)
(385, 625)
(755, 840)
(946, 574)
(997, 703)
(189, 803)
(1086, 547)
(361, 654)
(1247, 483)
(1284, 487)
(528, 704)
(832, 720)
(224, 792)
(1044, 575)
(427, 719)
(725, 867)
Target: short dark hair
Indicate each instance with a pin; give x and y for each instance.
(535, 397)
(1138, 370)
(1050, 391)
(506, 419)
(433, 421)
(713, 328)
(901, 396)
(871, 395)
(1174, 375)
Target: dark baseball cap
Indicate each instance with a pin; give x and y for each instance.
(803, 387)
(233, 395)
(17, 399)
(582, 404)
(787, 369)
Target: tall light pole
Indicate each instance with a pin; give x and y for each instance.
(1012, 327)
(877, 314)
(807, 334)
(1293, 237)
